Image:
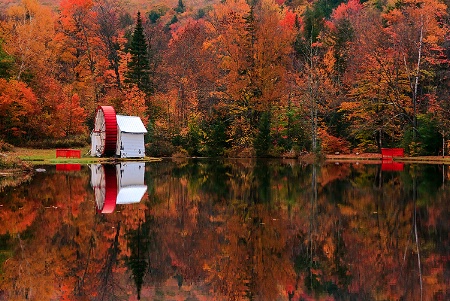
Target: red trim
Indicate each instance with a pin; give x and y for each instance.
(110, 130)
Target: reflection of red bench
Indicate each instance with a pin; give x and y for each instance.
(389, 165)
(387, 153)
(68, 153)
(68, 167)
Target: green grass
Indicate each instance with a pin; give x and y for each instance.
(48, 156)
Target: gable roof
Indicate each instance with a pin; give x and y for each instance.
(130, 124)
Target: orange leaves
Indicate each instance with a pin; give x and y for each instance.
(255, 43)
(73, 12)
(18, 107)
(17, 94)
(134, 103)
(410, 20)
(78, 34)
(70, 116)
(332, 144)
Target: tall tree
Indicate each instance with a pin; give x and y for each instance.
(30, 31)
(180, 8)
(372, 104)
(71, 116)
(191, 70)
(108, 16)
(255, 45)
(396, 55)
(138, 65)
(417, 31)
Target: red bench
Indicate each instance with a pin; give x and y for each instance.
(68, 153)
(387, 153)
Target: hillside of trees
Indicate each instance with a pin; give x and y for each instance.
(232, 78)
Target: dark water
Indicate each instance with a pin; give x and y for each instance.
(227, 230)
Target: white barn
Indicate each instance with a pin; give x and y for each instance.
(117, 135)
(130, 137)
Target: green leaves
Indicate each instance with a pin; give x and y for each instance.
(139, 66)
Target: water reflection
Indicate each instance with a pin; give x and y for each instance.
(390, 165)
(118, 184)
(68, 167)
(227, 230)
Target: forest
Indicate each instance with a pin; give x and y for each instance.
(264, 78)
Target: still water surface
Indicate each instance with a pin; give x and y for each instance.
(227, 230)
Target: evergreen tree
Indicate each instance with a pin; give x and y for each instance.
(5, 62)
(180, 8)
(139, 66)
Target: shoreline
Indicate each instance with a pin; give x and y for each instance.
(377, 158)
(23, 159)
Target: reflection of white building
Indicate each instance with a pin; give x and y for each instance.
(117, 184)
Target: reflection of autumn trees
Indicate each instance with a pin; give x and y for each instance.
(43, 247)
(232, 230)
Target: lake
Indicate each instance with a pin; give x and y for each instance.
(227, 230)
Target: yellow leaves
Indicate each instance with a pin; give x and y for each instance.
(17, 12)
(349, 105)
(347, 210)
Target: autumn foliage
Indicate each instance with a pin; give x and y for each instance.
(274, 76)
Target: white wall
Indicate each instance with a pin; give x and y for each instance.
(96, 144)
(130, 145)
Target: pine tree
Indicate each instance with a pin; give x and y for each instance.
(139, 66)
(5, 62)
(180, 8)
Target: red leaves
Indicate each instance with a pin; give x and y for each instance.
(18, 107)
(289, 20)
(70, 116)
(346, 10)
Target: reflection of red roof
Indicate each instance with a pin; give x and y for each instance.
(110, 189)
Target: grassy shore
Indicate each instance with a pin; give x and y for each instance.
(48, 156)
(31, 156)
(22, 157)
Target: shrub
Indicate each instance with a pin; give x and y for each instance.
(332, 144)
(160, 148)
(5, 147)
